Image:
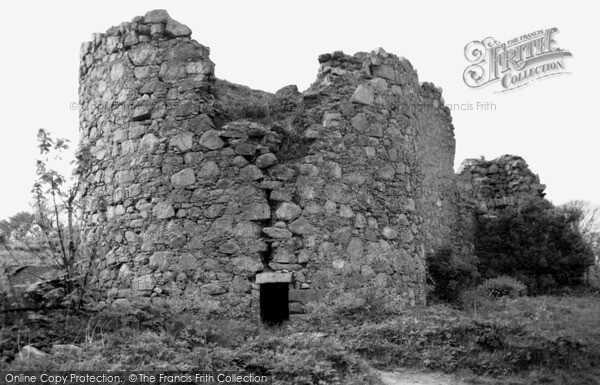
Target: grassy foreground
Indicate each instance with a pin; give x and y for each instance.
(528, 340)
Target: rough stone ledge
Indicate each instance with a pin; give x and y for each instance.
(273, 277)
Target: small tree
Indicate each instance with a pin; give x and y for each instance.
(586, 217)
(536, 243)
(56, 203)
(18, 227)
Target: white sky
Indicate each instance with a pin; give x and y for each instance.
(270, 44)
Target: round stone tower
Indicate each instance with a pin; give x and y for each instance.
(216, 196)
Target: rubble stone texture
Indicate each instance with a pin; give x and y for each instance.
(200, 190)
(501, 182)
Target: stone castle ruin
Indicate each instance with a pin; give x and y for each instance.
(206, 193)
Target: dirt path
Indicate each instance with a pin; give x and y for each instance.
(417, 378)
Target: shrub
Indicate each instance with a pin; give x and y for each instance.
(253, 111)
(485, 296)
(503, 286)
(536, 243)
(449, 275)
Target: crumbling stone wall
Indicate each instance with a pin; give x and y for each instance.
(440, 202)
(199, 190)
(142, 89)
(498, 183)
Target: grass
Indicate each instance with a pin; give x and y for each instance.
(240, 102)
(152, 340)
(527, 340)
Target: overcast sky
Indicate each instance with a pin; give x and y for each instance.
(553, 123)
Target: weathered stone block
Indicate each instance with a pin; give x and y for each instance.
(282, 172)
(266, 160)
(284, 256)
(121, 135)
(389, 233)
(125, 176)
(379, 84)
(187, 261)
(288, 211)
(346, 211)
(250, 173)
(360, 122)
(171, 72)
(247, 230)
(183, 141)
(342, 235)
(213, 289)
(282, 194)
(337, 192)
(301, 226)
(364, 94)
(240, 284)
(277, 232)
(257, 211)
(410, 205)
(143, 283)
(367, 272)
(384, 71)
(273, 277)
(195, 243)
(304, 256)
(148, 144)
(247, 149)
(296, 308)
(157, 16)
(183, 178)
(331, 119)
(386, 172)
(355, 249)
(403, 220)
(220, 227)
(209, 171)
(163, 210)
(407, 237)
(161, 260)
(211, 140)
(359, 221)
(175, 28)
(248, 265)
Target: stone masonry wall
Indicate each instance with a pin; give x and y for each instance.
(435, 146)
(199, 190)
(504, 181)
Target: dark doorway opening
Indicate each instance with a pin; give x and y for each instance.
(274, 303)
